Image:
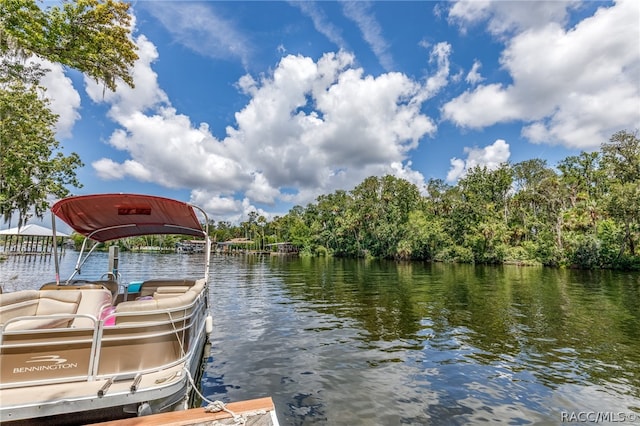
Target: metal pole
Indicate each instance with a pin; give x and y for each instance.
(55, 248)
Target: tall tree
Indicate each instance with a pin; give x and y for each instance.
(329, 209)
(382, 206)
(91, 36)
(621, 158)
(529, 205)
(484, 211)
(29, 171)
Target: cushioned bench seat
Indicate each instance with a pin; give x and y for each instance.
(17, 304)
(164, 297)
(93, 303)
(149, 287)
(112, 286)
(60, 306)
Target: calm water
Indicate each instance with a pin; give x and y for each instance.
(343, 342)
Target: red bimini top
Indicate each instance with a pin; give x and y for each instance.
(106, 217)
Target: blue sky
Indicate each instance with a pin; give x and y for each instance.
(262, 105)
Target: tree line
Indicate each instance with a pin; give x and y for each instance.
(583, 213)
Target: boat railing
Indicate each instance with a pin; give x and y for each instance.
(139, 341)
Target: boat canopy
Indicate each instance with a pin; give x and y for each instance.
(106, 217)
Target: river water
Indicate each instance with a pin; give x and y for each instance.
(354, 342)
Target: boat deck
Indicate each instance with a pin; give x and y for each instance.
(256, 412)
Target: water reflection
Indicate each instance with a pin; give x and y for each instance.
(364, 342)
(385, 343)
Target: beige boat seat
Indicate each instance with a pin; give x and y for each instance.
(110, 285)
(18, 303)
(149, 287)
(166, 298)
(34, 303)
(31, 303)
(170, 291)
(93, 302)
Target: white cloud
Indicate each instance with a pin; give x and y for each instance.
(260, 191)
(491, 157)
(440, 55)
(484, 106)
(457, 169)
(175, 153)
(63, 97)
(509, 16)
(474, 77)
(225, 208)
(360, 13)
(301, 125)
(573, 87)
(196, 26)
(321, 22)
(110, 170)
(310, 127)
(127, 100)
(404, 171)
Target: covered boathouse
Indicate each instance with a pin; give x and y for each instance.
(30, 239)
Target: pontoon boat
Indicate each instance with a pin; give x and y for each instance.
(80, 351)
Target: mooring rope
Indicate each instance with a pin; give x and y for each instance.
(217, 406)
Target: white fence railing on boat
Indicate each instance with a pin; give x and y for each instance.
(137, 338)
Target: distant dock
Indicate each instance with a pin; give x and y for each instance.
(29, 240)
(246, 246)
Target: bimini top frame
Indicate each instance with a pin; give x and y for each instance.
(107, 217)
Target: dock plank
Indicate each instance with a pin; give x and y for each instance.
(198, 416)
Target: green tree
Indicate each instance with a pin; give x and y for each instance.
(91, 36)
(586, 214)
(329, 208)
(437, 200)
(381, 206)
(621, 158)
(538, 222)
(582, 176)
(29, 169)
(349, 231)
(624, 206)
(529, 205)
(425, 237)
(223, 231)
(484, 211)
(296, 231)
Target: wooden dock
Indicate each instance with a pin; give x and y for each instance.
(255, 412)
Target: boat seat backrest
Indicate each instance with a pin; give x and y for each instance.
(55, 302)
(110, 285)
(174, 302)
(34, 303)
(151, 286)
(153, 304)
(18, 303)
(46, 302)
(93, 302)
(170, 291)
